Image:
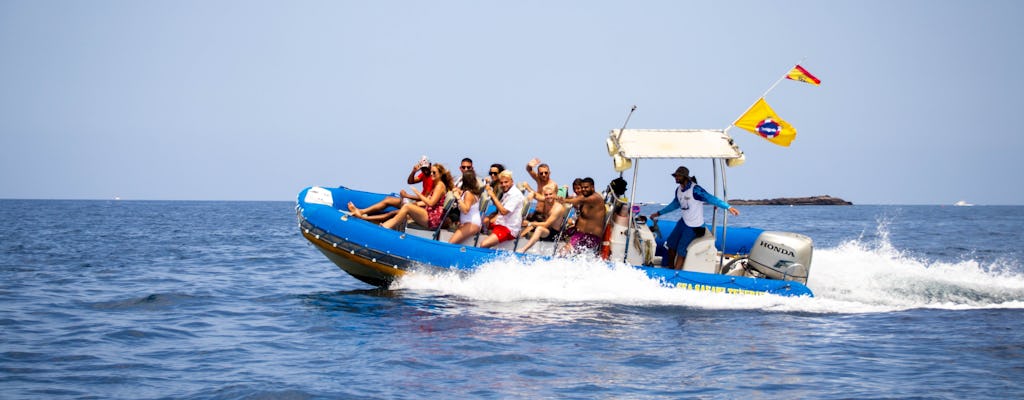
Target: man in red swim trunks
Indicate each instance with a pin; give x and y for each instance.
(589, 223)
(508, 219)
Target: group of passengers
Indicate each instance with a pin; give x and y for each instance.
(549, 220)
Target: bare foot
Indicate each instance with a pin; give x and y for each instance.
(355, 211)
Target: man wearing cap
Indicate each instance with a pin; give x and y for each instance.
(690, 197)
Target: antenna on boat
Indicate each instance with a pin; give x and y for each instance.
(631, 110)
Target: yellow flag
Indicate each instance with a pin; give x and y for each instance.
(761, 120)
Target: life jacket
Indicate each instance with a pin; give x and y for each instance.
(693, 209)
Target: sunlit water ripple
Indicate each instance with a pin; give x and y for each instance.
(126, 299)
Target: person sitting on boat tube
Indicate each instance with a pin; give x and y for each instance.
(550, 227)
(586, 236)
(373, 212)
(689, 197)
(542, 207)
(469, 207)
(431, 213)
(508, 218)
(467, 166)
(570, 225)
(492, 179)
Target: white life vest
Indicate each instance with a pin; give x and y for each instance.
(693, 209)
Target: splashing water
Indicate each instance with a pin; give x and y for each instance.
(857, 276)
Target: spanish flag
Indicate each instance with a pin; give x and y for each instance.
(798, 73)
(761, 120)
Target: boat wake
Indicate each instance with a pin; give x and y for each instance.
(854, 277)
(582, 281)
(880, 276)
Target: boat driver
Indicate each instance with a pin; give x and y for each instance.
(689, 197)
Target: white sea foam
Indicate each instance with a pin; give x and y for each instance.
(882, 276)
(854, 277)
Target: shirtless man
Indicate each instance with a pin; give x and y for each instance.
(543, 207)
(542, 177)
(589, 222)
(550, 227)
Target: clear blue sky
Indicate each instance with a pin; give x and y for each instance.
(254, 100)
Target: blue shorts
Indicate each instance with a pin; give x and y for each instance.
(681, 237)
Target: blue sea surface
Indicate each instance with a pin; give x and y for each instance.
(151, 299)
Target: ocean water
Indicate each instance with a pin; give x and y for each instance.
(149, 300)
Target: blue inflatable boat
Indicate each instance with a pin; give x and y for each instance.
(379, 256)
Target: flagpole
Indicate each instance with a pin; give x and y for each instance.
(782, 77)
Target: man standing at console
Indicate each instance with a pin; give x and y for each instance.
(690, 197)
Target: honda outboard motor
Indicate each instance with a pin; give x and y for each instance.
(782, 255)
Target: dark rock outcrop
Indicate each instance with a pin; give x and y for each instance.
(825, 200)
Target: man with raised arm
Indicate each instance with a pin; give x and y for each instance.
(542, 177)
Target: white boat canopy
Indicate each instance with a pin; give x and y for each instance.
(673, 143)
(629, 145)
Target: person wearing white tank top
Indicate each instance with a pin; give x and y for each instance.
(690, 198)
(469, 207)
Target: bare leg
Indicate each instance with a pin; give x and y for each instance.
(490, 241)
(395, 202)
(354, 210)
(413, 211)
(457, 235)
(376, 207)
(399, 217)
(379, 218)
(465, 230)
(680, 260)
(538, 233)
(418, 214)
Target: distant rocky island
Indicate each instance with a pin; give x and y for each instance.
(825, 200)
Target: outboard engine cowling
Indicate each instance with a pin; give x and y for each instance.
(782, 255)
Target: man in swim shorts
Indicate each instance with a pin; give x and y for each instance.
(508, 219)
(589, 223)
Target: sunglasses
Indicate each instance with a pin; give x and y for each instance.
(466, 167)
(493, 172)
(545, 173)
